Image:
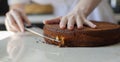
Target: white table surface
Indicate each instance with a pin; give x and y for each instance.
(23, 47)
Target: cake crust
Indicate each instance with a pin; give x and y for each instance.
(105, 34)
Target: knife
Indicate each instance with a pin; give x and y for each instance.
(38, 31)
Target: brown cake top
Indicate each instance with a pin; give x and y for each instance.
(101, 26)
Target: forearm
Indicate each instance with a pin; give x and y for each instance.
(87, 6)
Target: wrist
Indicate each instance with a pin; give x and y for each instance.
(81, 10)
(20, 7)
(86, 7)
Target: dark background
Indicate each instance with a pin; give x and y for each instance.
(3, 7)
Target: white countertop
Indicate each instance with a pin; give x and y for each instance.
(23, 47)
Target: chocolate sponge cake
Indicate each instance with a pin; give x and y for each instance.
(105, 34)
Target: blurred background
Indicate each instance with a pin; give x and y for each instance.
(35, 14)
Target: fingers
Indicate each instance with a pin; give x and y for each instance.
(52, 21)
(25, 19)
(87, 22)
(63, 22)
(12, 22)
(79, 22)
(23, 16)
(71, 22)
(18, 19)
(15, 20)
(6, 24)
(8, 27)
(78, 19)
(90, 24)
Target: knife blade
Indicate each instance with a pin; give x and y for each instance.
(38, 31)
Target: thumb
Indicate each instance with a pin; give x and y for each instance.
(52, 21)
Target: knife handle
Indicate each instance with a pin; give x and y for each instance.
(29, 26)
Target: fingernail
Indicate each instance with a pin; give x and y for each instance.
(70, 27)
(80, 27)
(22, 30)
(62, 26)
(44, 22)
(94, 26)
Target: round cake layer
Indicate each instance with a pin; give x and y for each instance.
(105, 34)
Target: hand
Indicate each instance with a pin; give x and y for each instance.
(77, 16)
(15, 20)
(69, 21)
